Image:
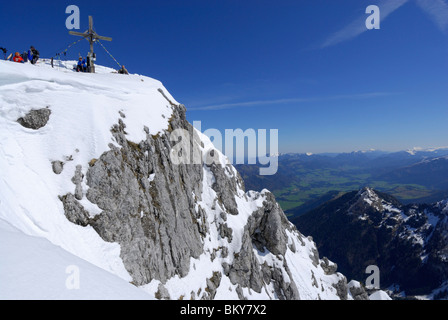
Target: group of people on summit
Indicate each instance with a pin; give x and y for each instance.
(83, 65)
(32, 56)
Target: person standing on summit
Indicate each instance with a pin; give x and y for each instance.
(33, 55)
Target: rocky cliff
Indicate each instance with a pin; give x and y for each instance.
(165, 215)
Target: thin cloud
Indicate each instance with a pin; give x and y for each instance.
(289, 101)
(437, 10)
(358, 26)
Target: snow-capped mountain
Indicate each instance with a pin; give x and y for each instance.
(87, 169)
(428, 151)
(409, 243)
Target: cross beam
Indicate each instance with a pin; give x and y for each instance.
(90, 36)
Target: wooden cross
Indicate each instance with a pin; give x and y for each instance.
(90, 36)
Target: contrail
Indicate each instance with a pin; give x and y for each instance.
(290, 101)
(436, 9)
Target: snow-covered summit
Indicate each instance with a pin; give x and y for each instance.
(95, 178)
(83, 109)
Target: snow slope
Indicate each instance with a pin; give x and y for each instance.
(84, 106)
(32, 268)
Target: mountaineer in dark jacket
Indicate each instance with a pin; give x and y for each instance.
(81, 66)
(33, 55)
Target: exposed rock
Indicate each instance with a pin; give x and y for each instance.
(225, 232)
(244, 269)
(57, 166)
(314, 280)
(357, 291)
(292, 247)
(240, 293)
(328, 266)
(266, 231)
(341, 288)
(212, 284)
(74, 211)
(162, 293)
(77, 180)
(35, 119)
(224, 252)
(267, 227)
(226, 268)
(285, 290)
(225, 188)
(159, 243)
(315, 257)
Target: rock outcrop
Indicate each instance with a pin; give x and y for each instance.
(35, 119)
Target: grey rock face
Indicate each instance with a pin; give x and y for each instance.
(342, 288)
(358, 293)
(212, 284)
(35, 119)
(272, 227)
(162, 293)
(225, 232)
(265, 230)
(155, 221)
(74, 211)
(225, 187)
(77, 180)
(329, 267)
(150, 207)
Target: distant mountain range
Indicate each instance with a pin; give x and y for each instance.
(409, 243)
(415, 175)
(430, 172)
(394, 219)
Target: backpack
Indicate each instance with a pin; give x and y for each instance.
(35, 52)
(24, 56)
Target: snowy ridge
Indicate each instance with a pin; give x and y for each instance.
(423, 226)
(408, 243)
(415, 150)
(405, 217)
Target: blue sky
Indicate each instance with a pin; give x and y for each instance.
(308, 68)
